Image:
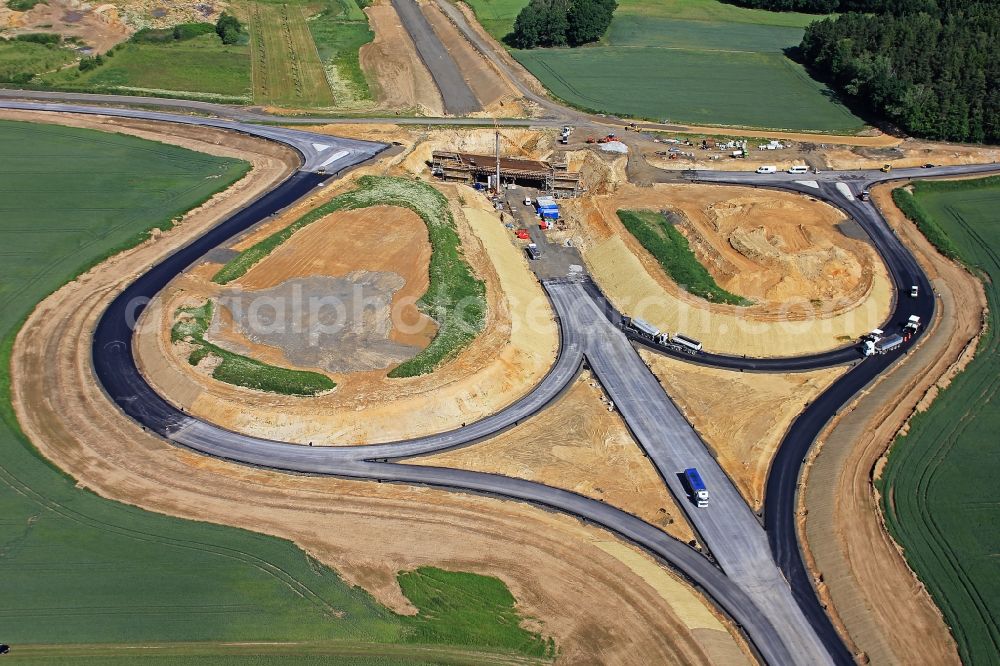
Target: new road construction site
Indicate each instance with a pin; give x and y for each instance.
(505, 382)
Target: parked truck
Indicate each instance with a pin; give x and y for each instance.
(699, 493)
(533, 251)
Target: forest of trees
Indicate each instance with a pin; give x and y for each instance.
(930, 67)
(561, 23)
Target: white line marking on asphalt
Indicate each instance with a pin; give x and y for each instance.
(336, 156)
(845, 190)
(320, 147)
(808, 183)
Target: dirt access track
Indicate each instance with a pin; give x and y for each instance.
(367, 531)
(815, 288)
(880, 604)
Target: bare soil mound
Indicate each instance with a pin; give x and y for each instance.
(813, 287)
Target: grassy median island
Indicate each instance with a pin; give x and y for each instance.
(669, 247)
(455, 298)
(939, 490)
(90, 580)
(191, 326)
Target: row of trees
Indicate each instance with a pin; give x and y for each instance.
(561, 23)
(934, 73)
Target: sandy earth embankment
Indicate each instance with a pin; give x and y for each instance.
(879, 602)
(512, 354)
(814, 288)
(578, 444)
(742, 416)
(366, 531)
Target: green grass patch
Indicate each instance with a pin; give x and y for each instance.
(455, 298)
(669, 247)
(87, 579)
(198, 66)
(339, 32)
(24, 5)
(191, 326)
(453, 605)
(939, 492)
(21, 61)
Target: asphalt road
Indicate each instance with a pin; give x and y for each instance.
(320, 153)
(752, 590)
(456, 94)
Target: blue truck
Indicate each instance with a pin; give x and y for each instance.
(699, 493)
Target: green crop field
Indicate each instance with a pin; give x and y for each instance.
(695, 61)
(670, 247)
(202, 67)
(90, 579)
(939, 490)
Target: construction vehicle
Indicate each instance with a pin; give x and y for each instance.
(527, 200)
(533, 251)
(865, 195)
(911, 326)
(685, 344)
(699, 493)
(642, 327)
(886, 168)
(914, 291)
(883, 345)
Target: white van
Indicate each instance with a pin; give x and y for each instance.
(767, 169)
(798, 169)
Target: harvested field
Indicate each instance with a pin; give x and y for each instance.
(578, 444)
(400, 79)
(365, 530)
(742, 416)
(816, 286)
(884, 608)
(286, 67)
(502, 363)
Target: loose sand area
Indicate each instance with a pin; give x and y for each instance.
(367, 531)
(506, 361)
(879, 603)
(401, 80)
(814, 287)
(742, 416)
(909, 153)
(578, 444)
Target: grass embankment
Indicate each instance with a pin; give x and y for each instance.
(455, 298)
(939, 491)
(446, 617)
(191, 326)
(692, 61)
(669, 247)
(340, 31)
(22, 60)
(91, 580)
